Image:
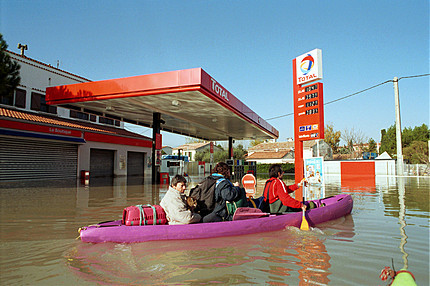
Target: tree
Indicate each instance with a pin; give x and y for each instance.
(388, 141)
(371, 146)
(353, 136)
(189, 140)
(256, 142)
(239, 152)
(221, 155)
(332, 137)
(421, 133)
(409, 136)
(9, 74)
(416, 153)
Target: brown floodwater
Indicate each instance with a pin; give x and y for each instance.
(39, 222)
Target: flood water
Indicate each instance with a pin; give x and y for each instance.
(39, 222)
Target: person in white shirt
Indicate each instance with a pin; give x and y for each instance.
(174, 203)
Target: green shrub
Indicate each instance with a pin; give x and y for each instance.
(288, 168)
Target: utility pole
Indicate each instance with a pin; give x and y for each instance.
(398, 128)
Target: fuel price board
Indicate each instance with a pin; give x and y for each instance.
(309, 112)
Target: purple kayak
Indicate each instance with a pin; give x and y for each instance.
(327, 209)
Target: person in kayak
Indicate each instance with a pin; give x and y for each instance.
(224, 191)
(174, 203)
(276, 193)
(204, 193)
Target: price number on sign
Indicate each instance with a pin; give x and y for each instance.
(311, 95)
(312, 103)
(312, 111)
(311, 87)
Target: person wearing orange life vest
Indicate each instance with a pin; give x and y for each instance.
(276, 192)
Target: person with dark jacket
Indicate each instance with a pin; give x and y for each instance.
(224, 191)
(204, 193)
(276, 192)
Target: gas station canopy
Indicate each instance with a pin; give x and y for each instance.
(190, 102)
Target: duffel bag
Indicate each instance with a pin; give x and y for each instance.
(144, 215)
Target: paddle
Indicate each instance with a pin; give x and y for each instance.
(305, 224)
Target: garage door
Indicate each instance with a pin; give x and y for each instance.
(135, 163)
(24, 159)
(101, 163)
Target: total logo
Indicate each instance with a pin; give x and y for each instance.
(305, 128)
(219, 90)
(307, 64)
(309, 67)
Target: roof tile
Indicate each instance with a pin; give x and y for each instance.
(268, 155)
(6, 113)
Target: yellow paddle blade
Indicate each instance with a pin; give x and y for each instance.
(305, 224)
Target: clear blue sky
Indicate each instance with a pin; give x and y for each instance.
(248, 46)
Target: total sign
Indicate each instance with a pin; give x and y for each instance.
(309, 66)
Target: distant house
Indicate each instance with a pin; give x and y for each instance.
(283, 152)
(167, 149)
(325, 150)
(357, 151)
(191, 149)
(271, 157)
(384, 156)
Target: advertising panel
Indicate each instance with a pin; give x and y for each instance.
(158, 141)
(309, 112)
(314, 174)
(309, 67)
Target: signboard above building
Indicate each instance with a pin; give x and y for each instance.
(309, 67)
(191, 103)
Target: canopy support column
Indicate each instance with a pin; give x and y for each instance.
(230, 147)
(156, 124)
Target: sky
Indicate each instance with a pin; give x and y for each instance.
(248, 47)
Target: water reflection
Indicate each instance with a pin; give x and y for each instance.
(288, 257)
(358, 182)
(402, 211)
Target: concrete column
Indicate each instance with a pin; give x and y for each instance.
(398, 128)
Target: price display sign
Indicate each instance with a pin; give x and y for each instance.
(309, 112)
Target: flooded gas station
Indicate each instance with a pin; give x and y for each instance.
(39, 222)
(40, 245)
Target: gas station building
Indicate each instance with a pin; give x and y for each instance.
(58, 124)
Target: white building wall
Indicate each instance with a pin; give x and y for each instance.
(382, 167)
(307, 153)
(120, 159)
(332, 167)
(36, 77)
(385, 167)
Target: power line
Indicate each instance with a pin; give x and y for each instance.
(411, 76)
(358, 92)
(361, 91)
(285, 115)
